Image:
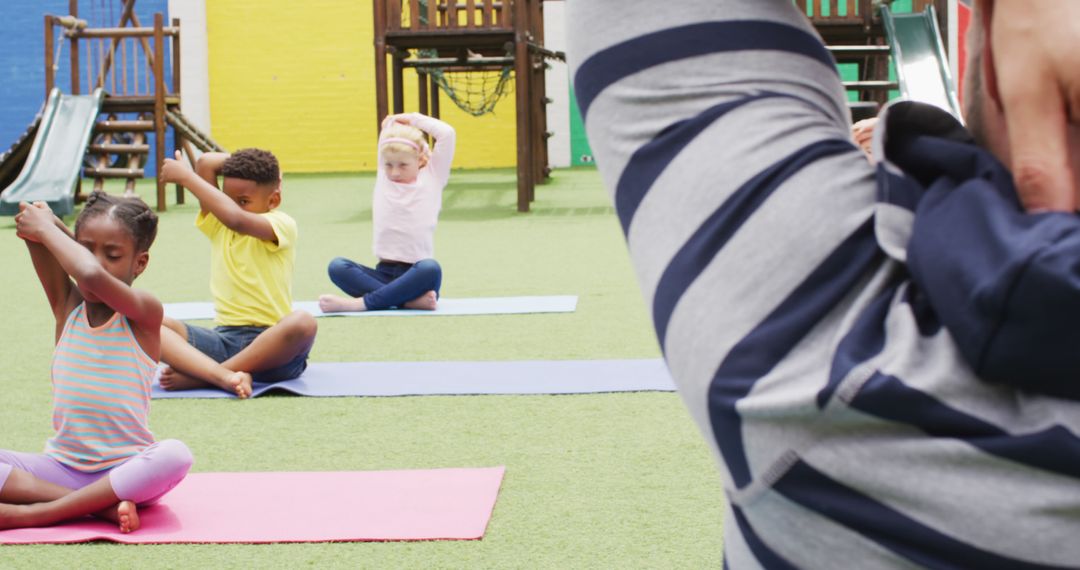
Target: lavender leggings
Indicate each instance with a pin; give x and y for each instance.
(143, 479)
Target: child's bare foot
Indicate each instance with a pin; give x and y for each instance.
(335, 304)
(127, 517)
(172, 380)
(241, 384)
(425, 302)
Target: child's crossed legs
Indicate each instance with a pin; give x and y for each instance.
(230, 358)
(389, 284)
(37, 490)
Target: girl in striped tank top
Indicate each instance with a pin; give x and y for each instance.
(103, 460)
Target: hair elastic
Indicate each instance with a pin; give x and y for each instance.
(405, 142)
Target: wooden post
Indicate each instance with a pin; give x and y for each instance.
(380, 62)
(451, 13)
(399, 84)
(178, 138)
(50, 74)
(159, 106)
(539, 100)
(522, 73)
(505, 13)
(422, 92)
(434, 97)
(73, 9)
(432, 14)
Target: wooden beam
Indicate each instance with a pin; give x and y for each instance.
(381, 23)
(159, 105)
(50, 73)
(73, 9)
(422, 92)
(434, 97)
(521, 92)
(399, 85)
(178, 137)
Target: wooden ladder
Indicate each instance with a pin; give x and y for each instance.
(126, 140)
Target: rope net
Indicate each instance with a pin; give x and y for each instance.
(475, 91)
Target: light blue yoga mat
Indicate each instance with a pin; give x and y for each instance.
(464, 378)
(446, 307)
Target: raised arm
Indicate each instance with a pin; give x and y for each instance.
(210, 165)
(702, 116)
(38, 224)
(54, 280)
(203, 184)
(442, 154)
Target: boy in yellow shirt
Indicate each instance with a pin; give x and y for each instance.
(258, 335)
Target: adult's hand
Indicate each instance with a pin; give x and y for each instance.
(1036, 54)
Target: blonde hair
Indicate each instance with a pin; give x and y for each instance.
(404, 133)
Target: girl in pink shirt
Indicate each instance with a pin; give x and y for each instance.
(405, 211)
(102, 460)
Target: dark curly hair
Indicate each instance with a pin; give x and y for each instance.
(136, 217)
(253, 164)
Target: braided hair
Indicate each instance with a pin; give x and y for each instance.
(136, 217)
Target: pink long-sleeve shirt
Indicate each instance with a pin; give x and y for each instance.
(405, 215)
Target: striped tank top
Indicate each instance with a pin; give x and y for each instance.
(101, 394)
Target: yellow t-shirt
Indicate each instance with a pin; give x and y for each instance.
(250, 279)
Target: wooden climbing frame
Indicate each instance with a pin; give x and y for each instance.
(129, 62)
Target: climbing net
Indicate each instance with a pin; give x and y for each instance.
(474, 90)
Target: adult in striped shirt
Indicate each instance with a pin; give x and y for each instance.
(884, 358)
(102, 460)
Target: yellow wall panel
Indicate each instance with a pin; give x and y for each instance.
(298, 78)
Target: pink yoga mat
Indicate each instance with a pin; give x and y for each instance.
(432, 504)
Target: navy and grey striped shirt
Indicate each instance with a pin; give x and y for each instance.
(886, 361)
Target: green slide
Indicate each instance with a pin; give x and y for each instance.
(921, 66)
(56, 157)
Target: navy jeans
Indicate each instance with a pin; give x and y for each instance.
(389, 284)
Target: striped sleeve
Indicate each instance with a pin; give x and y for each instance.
(721, 129)
(845, 422)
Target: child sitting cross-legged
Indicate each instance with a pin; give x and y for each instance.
(102, 460)
(405, 211)
(258, 335)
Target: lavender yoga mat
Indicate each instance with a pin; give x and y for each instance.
(462, 377)
(447, 307)
(428, 504)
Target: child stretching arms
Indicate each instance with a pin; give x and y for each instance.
(251, 268)
(103, 459)
(405, 210)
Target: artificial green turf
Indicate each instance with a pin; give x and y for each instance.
(606, 480)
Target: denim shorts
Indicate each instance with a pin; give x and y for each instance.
(222, 343)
